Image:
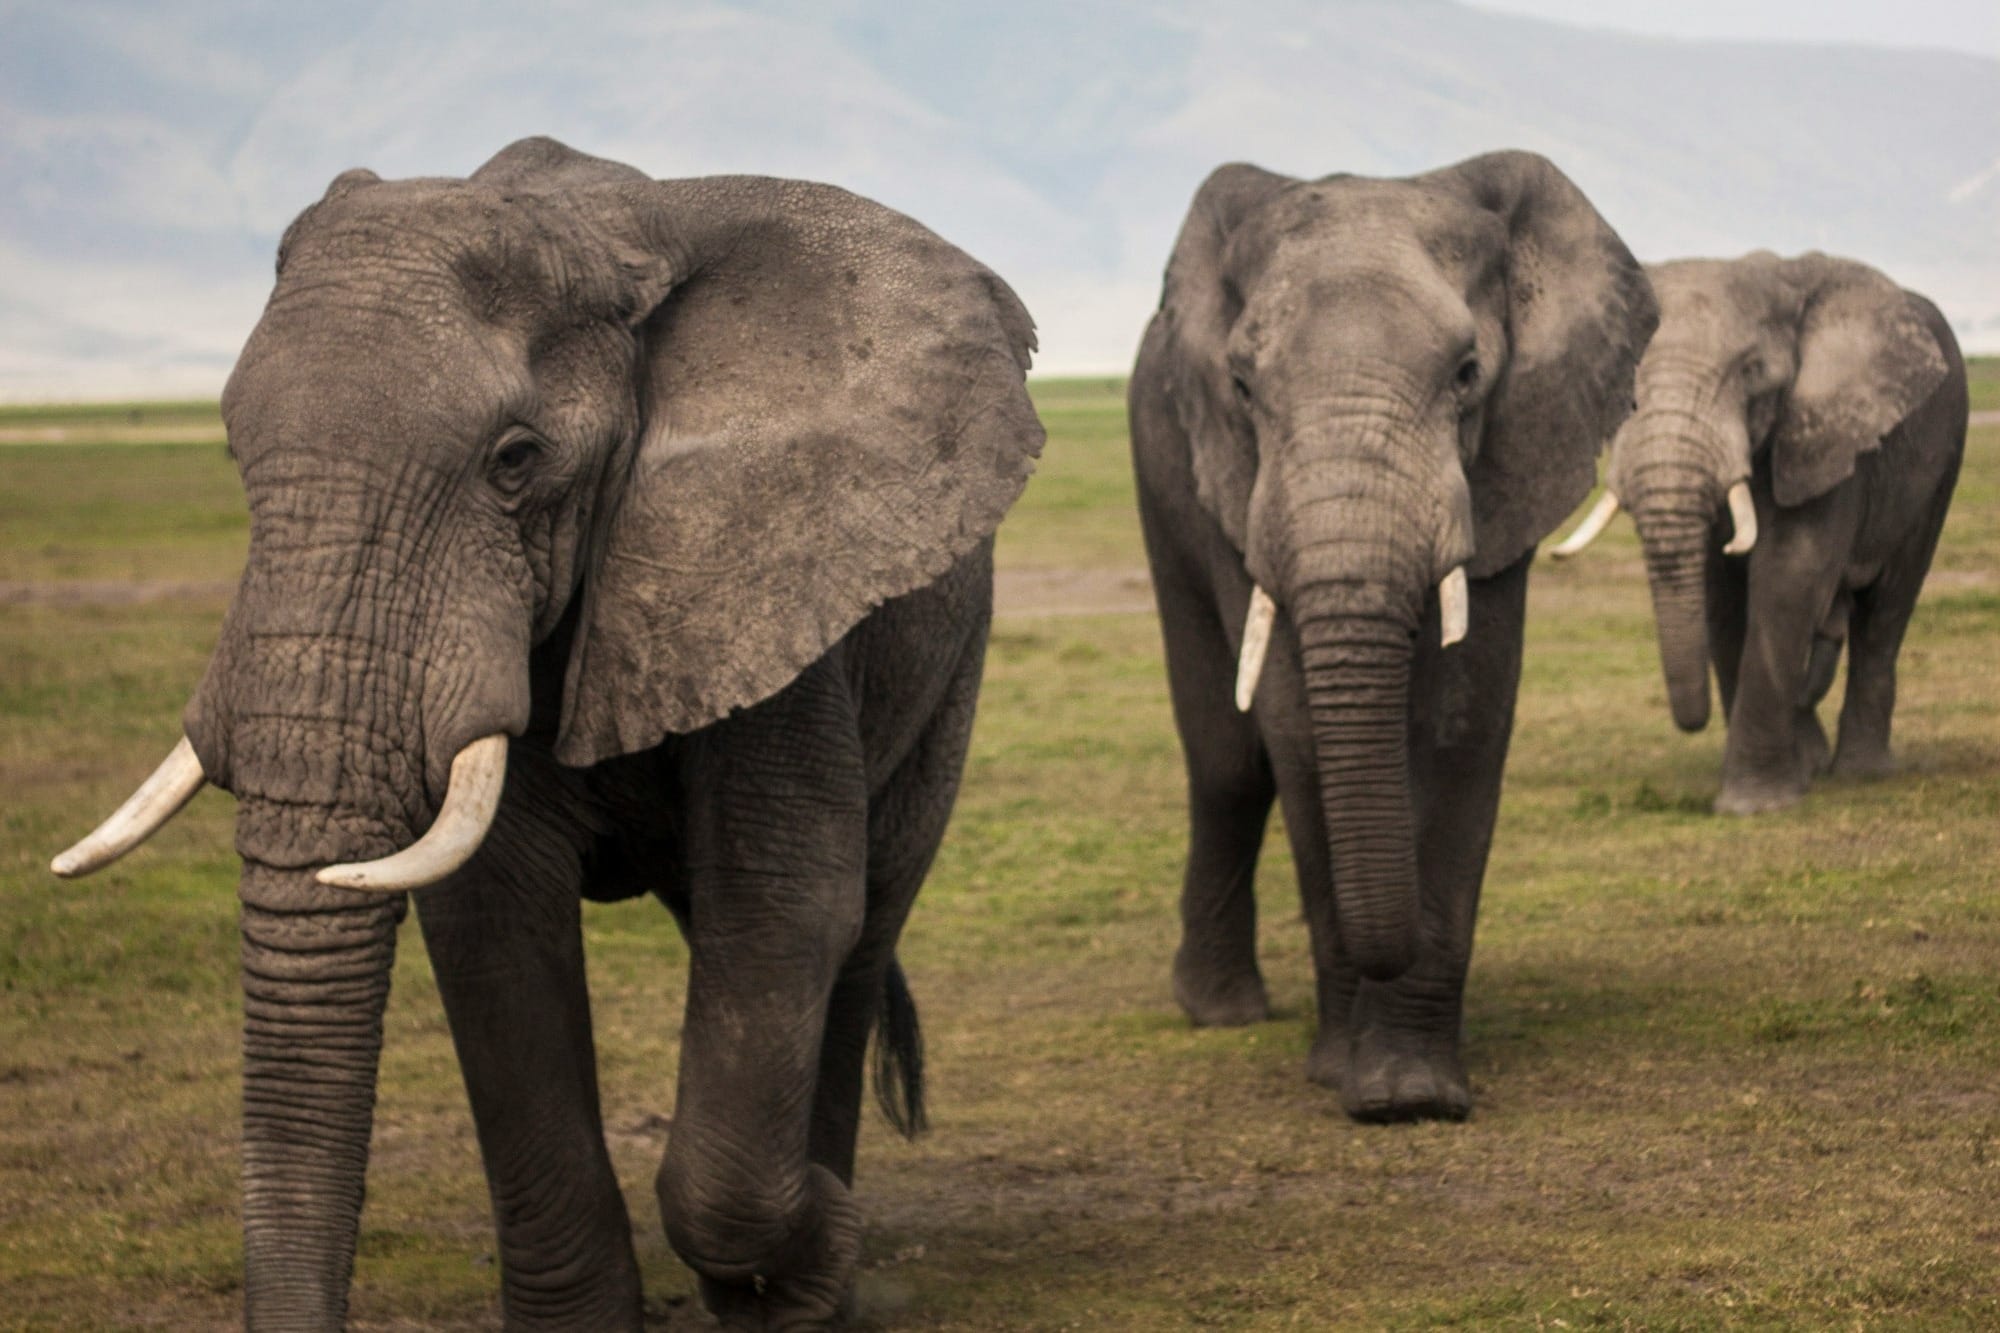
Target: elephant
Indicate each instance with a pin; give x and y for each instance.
(608, 536)
(1361, 404)
(1823, 409)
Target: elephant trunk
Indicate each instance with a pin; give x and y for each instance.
(1674, 528)
(1357, 679)
(316, 967)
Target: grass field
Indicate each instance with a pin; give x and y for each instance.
(1729, 1074)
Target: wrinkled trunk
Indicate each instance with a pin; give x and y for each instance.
(313, 712)
(315, 981)
(1357, 675)
(1675, 518)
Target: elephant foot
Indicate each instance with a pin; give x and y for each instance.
(1215, 998)
(811, 1285)
(1390, 1078)
(1746, 797)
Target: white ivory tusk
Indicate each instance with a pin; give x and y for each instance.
(1454, 608)
(158, 799)
(470, 801)
(1594, 523)
(1742, 513)
(1256, 642)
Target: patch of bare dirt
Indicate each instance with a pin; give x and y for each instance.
(1071, 592)
(109, 592)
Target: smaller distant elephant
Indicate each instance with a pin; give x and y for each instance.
(1360, 406)
(1798, 433)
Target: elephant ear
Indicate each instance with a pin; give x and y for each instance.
(1198, 307)
(1579, 314)
(1867, 359)
(833, 413)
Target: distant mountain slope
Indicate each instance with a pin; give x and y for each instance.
(151, 154)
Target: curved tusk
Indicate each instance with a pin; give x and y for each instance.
(1594, 523)
(144, 813)
(1742, 513)
(1256, 642)
(1454, 608)
(470, 801)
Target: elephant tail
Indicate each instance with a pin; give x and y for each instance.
(899, 1056)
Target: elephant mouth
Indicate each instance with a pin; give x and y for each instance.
(478, 775)
(1454, 618)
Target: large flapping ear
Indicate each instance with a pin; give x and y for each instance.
(1579, 314)
(1199, 307)
(833, 414)
(1867, 359)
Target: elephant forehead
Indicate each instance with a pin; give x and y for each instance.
(493, 252)
(1389, 221)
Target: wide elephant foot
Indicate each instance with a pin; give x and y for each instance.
(1387, 1078)
(1746, 796)
(1388, 1084)
(1217, 997)
(805, 1283)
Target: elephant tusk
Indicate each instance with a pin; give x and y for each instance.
(144, 813)
(1454, 608)
(1594, 523)
(470, 801)
(1256, 642)
(1742, 513)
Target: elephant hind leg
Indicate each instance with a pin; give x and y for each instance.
(906, 824)
(1880, 618)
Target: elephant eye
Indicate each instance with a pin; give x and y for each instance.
(514, 461)
(1242, 387)
(1468, 373)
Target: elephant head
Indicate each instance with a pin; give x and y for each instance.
(560, 442)
(1391, 385)
(1812, 359)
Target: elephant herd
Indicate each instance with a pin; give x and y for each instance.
(614, 536)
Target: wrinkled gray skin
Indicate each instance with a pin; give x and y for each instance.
(688, 486)
(1841, 399)
(1352, 387)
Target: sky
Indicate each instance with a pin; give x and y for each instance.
(1956, 25)
(151, 151)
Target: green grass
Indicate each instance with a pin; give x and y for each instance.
(202, 413)
(1983, 378)
(1730, 1074)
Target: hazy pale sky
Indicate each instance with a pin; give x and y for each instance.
(1957, 25)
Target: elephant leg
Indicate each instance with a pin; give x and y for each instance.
(505, 941)
(1726, 606)
(776, 848)
(1769, 757)
(906, 824)
(1403, 1061)
(1880, 618)
(1230, 789)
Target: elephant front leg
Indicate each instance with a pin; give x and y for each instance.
(1403, 1061)
(1775, 740)
(1230, 789)
(505, 940)
(776, 845)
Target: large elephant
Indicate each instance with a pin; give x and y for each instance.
(1798, 434)
(1360, 406)
(671, 503)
